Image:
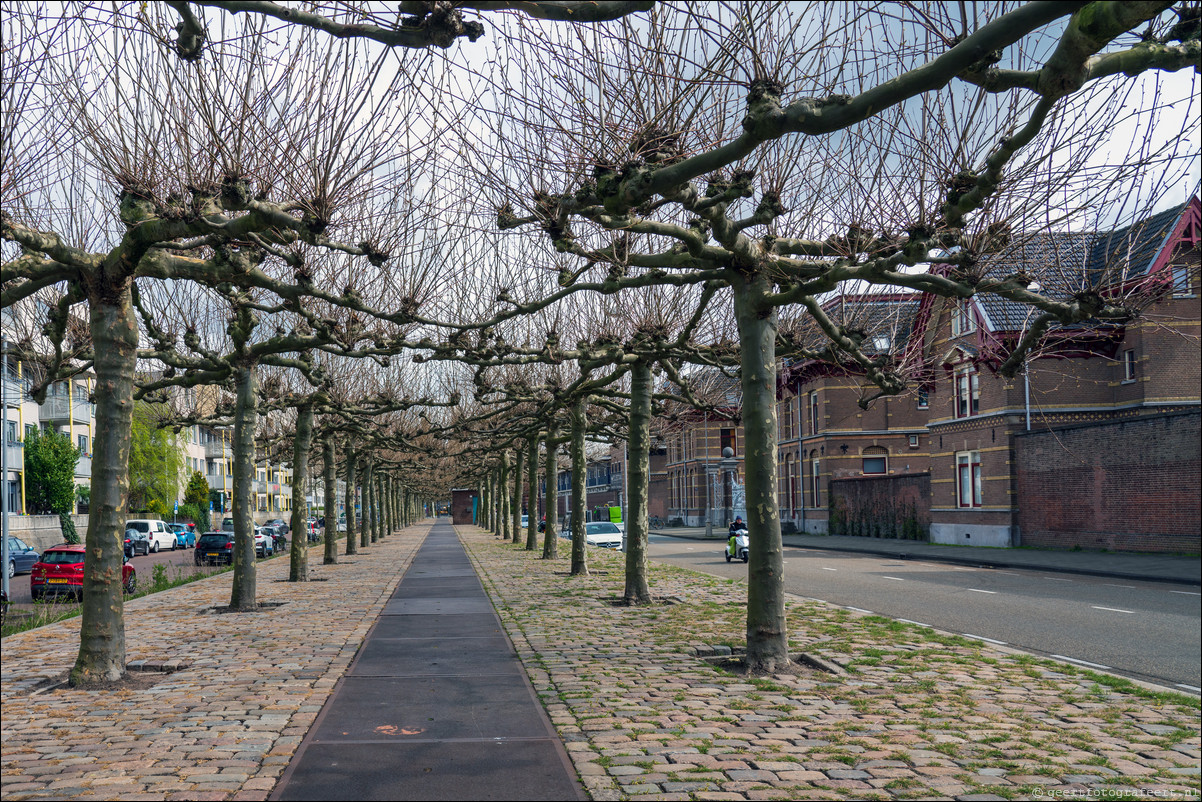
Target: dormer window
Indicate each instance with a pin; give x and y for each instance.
(963, 321)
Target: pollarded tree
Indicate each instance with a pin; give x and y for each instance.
(226, 174)
(786, 152)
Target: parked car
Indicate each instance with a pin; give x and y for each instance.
(21, 556)
(314, 533)
(280, 524)
(227, 525)
(278, 536)
(525, 522)
(215, 548)
(264, 542)
(157, 533)
(60, 571)
(135, 542)
(185, 538)
(603, 534)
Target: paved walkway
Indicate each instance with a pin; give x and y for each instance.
(1183, 569)
(436, 704)
(640, 712)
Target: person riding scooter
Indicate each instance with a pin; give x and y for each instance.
(737, 546)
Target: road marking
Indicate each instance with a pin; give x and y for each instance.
(828, 569)
(1186, 592)
(1082, 662)
(1189, 687)
(982, 637)
(1112, 585)
(895, 578)
(915, 623)
(1113, 609)
(978, 590)
(860, 610)
(1057, 579)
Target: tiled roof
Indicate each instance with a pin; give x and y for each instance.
(1065, 262)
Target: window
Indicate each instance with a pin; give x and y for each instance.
(30, 429)
(913, 441)
(1129, 364)
(924, 398)
(968, 392)
(815, 482)
(728, 441)
(968, 479)
(814, 412)
(10, 431)
(1181, 282)
(875, 460)
(83, 443)
(963, 321)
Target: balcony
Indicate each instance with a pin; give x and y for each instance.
(83, 468)
(60, 409)
(14, 391)
(218, 450)
(220, 482)
(14, 456)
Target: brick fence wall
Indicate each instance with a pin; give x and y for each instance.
(882, 506)
(1132, 485)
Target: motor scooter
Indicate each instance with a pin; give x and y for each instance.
(740, 548)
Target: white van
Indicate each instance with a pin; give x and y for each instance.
(156, 531)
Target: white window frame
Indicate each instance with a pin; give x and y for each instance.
(963, 321)
(1130, 363)
(968, 479)
(967, 392)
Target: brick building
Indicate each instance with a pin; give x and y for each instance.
(1093, 444)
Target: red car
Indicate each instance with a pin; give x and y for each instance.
(60, 571)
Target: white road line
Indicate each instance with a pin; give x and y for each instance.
(1057, 579)
(1113, 609)
(978, 590)
(828, 569)
(1189, 687)
(1112, 585)
(1007, 573)
(859, 610)
(982, 637)
(1186, 592)
(895, 578)
(1081, 662)
(915, 623)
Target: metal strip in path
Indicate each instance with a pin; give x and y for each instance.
(436, 704)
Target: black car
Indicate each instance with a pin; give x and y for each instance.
(280, 524)
(215, 548)
(278, 535)
(135, 542)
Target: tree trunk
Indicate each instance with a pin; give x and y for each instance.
(352, 542)
(101, 655)
(767, 638)
(367, 532)
(331, 501)
(638, 455)
(551, 496)
(579, 552)
(503, 492)
(298, 567)
(245, 583)
(519, 464)
(532, 494)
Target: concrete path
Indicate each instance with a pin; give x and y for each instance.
(436, 704)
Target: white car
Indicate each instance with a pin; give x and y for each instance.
(264, 543)
(157, 534)
(603, 535)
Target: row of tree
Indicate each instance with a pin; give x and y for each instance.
(441, 264)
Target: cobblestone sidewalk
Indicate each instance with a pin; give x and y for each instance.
(227, 723)
(920, 715)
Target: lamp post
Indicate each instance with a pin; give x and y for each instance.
(4, 468)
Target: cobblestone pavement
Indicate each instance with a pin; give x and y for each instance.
(225, 726)
(920, 714)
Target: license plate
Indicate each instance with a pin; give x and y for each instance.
(211, 554)
(56, 581)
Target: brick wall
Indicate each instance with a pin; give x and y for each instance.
(461, 506)
(882, 506)
(1132, 485)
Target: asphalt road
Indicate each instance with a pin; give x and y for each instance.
(1146, 630)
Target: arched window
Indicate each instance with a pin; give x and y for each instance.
(875, 460)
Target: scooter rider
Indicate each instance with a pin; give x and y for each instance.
(736, 526)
